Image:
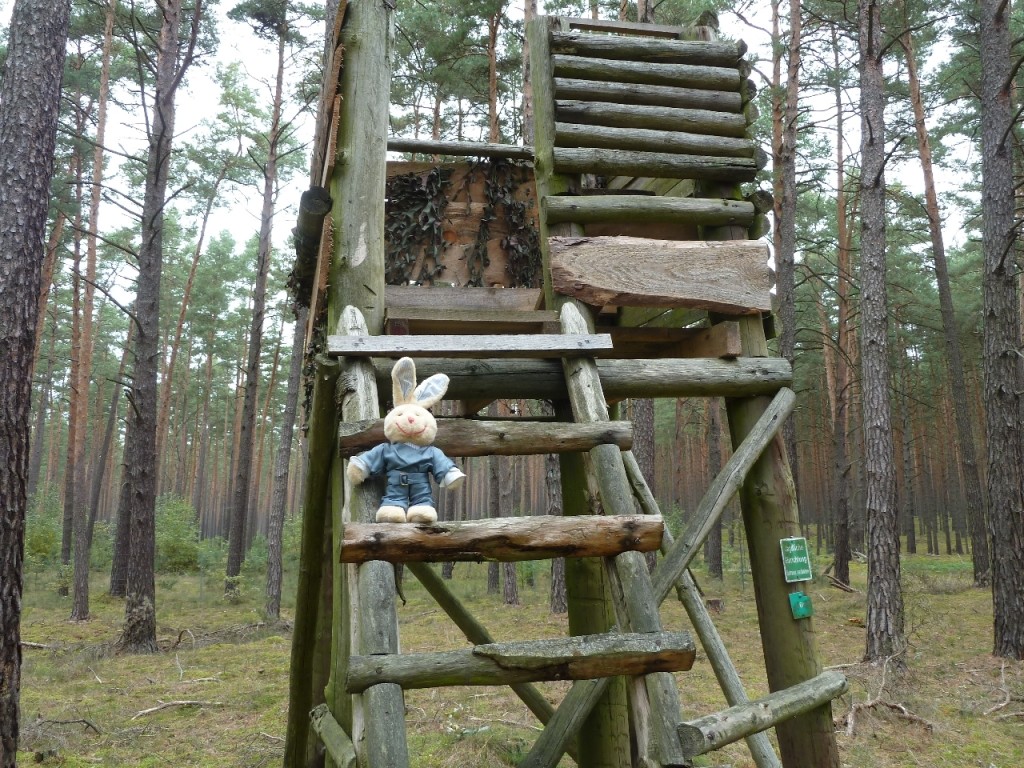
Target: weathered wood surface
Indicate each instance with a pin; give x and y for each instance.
(722, 489)
(544, 379)
(715, 731)
(336, 741)
(629, 271)
(560, 733)
(644, 209)
(506, 539)
(477, 634)
(460, 298)
(471, 437)
(691, 598)
(460, 148)
(621, 162)
(696, 121)
(314, 205)
(650, 140)
(721, 340)
(536, 345)
(444, 321)
(648, 50)
(622, 27)
(651, 95)
(584, 657)
(699, 76)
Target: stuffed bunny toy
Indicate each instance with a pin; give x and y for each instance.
(408, 458)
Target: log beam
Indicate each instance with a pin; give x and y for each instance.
(715, 731)
(584, 657)
(470, 437)
(460, 148)
(501, 345)
(647, 210)
(698, 76)
(650, 95)
(652, 140)
(507, 539)
(612, 162)
(695, 121)
(648, 50)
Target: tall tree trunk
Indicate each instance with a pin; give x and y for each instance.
(73, 447)
(236, 534)
(1004, 372)
(954, 358)
(29, 102)
(784, 125)
(282, 462)
(885, 598)
(35, 462)
(139, 634)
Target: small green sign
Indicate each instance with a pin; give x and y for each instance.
(800, 605)
(796, 560)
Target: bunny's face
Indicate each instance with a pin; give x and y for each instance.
(410, 423)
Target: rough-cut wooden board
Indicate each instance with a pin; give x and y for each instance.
(521, 345)
(505, 539)
(576, 658)
(623, 27)
(719, 54)
(695, 121)
(441, 320)
(460, 148)
(722, 340)
(730, 277)
(651, 140)
(512, 437)
(645, 209)
(678, 75)
(426, 297)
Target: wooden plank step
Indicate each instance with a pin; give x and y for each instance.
(716, 54)
(695, 121)
(541, 379)
(729, 276)
(622, 27)
(511, 437)
(453, 297)
(443, 321)
(500, 346)
(584, 657)
(505, 539)
(622, 162)
(460, 148)
(647, 210)
(649, 140)
(650, 95)
(676, 75)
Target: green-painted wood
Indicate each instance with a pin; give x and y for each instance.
(323, 417)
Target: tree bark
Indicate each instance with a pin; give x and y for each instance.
(885, 637)
(1004, 372)
(281, 466)
(553, 495)
(713, 543)
(643, 449)
(29, 102)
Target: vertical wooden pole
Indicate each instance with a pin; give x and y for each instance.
(604, 736)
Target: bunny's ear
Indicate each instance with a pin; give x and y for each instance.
(403, 381)
(430, 392)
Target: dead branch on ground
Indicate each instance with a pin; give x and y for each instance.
(184, 703)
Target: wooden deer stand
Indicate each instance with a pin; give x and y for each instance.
(657, 291)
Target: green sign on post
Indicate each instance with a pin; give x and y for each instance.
(796, 560)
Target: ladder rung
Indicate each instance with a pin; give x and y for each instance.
(620, 162)
(635, 208)
(511, 437)
(576, 658)
(712, 54)
(499, 346)
(506, 539)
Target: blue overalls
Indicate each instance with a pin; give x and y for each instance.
(407, 468)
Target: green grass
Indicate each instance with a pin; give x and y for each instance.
(223, 654)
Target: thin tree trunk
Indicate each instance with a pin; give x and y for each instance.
(713, 544)
(885, 638)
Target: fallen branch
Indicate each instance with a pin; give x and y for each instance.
(41, 646)
(168, 704)
(841, 584)
(79, 721)
(1009, 716)
(1007, 697)
(877, 702)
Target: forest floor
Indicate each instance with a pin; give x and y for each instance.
(85, 705)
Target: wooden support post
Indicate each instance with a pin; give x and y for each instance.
(338, 744)
(323, 417)
(715, 731)
(557, 736)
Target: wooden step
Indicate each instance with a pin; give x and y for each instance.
(676, 75)
(650, 95)
(622, 27)
(461, 298)
(506, 539)
(695, 121)
(622, 162)
(509, 437)
(715, 54)
(647, 210)
(506, 345)
(729, 276)
(443, 321)
(585, 657)
(649, 140)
